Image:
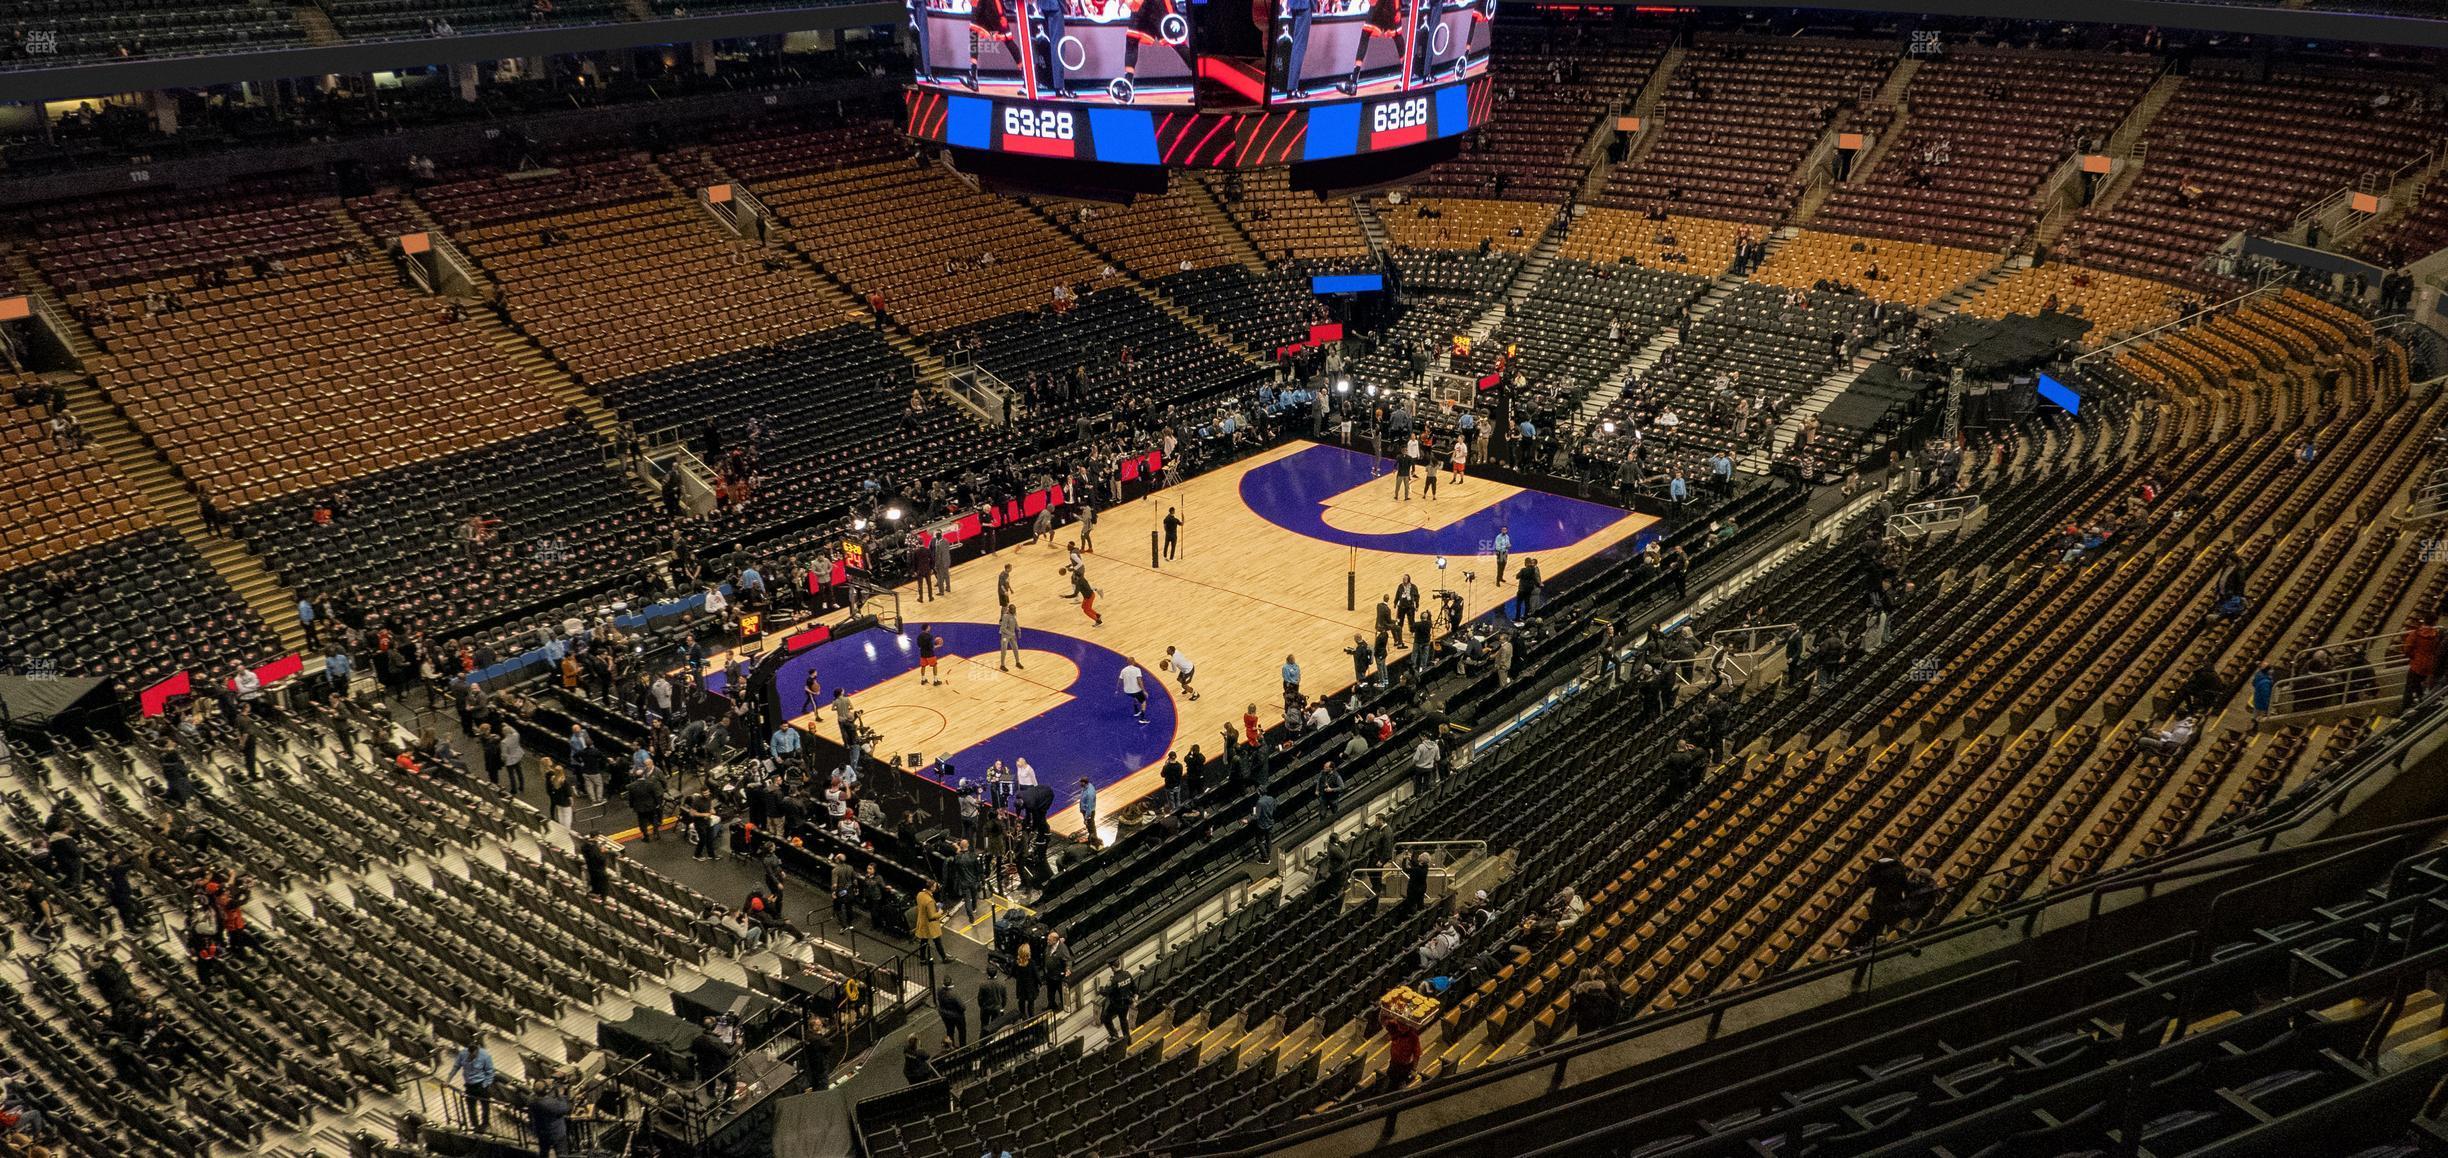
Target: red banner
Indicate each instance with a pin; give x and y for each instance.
(274, 672)
(807, 639)
(162, 693)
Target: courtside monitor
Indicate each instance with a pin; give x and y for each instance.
(2061, 394)
(1347, 283)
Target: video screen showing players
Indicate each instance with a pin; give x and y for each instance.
(1333, 49)
(1119, 52)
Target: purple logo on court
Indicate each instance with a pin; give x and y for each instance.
(1293, 492)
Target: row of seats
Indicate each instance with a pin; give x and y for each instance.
(51, 32)
(2116, 304)
(1585, 320)
(561, 525)
(1763, 341)
(886, 231)
(1152, 237)
(1701, 246)
(422, 910)
(1169, 362)
(1262, 310)
(1739, 117)
(1982, 130)
(1910, 273)
(1286, 224)
(2299, 1031)
(1426, 223)
(265, 387)
(56, 495)
(2420, 231)
(1552, 79)
(2213, 167)
(140, 607)
(388, 18)
(596, 286)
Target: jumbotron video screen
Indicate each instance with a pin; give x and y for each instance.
(1326, 49)
(1097, 51)
(1176, 83)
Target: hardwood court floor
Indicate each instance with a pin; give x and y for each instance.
(1266, 545)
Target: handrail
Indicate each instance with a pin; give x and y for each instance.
(50, 315)
(1444, 860)
(444, 250)
(741, 195)
(2067, 170)
(2141, 875)
(2179, 323)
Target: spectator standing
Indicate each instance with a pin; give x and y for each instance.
(2420, 644)
(548, 1119)
(1262, 826)
(1114, 1003)
(1057, 969)
(645, 796)
(926, 919)
(513, 758)
(954, 1012)
(473, 1066)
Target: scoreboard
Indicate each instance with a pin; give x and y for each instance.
(1201, 138)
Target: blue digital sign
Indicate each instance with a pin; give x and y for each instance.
(2061, 394)
(1347, 283)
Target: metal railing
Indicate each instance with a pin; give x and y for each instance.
(2346, 674)
(447, 255)
(741, 198)
(980, 387)
(1930, 516)
(2371, 181)
(2067, 171)
(417, 272)
(1734, 655)
(1819, 167)
(2429, 500)
(62, 329)
(1443, 855)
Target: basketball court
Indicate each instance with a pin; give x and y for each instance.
(1266, 547)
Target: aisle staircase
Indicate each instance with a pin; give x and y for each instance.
(1379, 242)
(1645, 106)
(72, 333)
(1525, 281)
(1651, 352)
(175, 505)
(2399, 199)
(2137, 122)
(1220, 222)
(1834, 386)
(537, 1042)
(315, 24)
(544, 370)
(1868, 163)
(173, 502)
(1141, 286)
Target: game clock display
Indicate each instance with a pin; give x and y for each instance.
(1197, 138)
